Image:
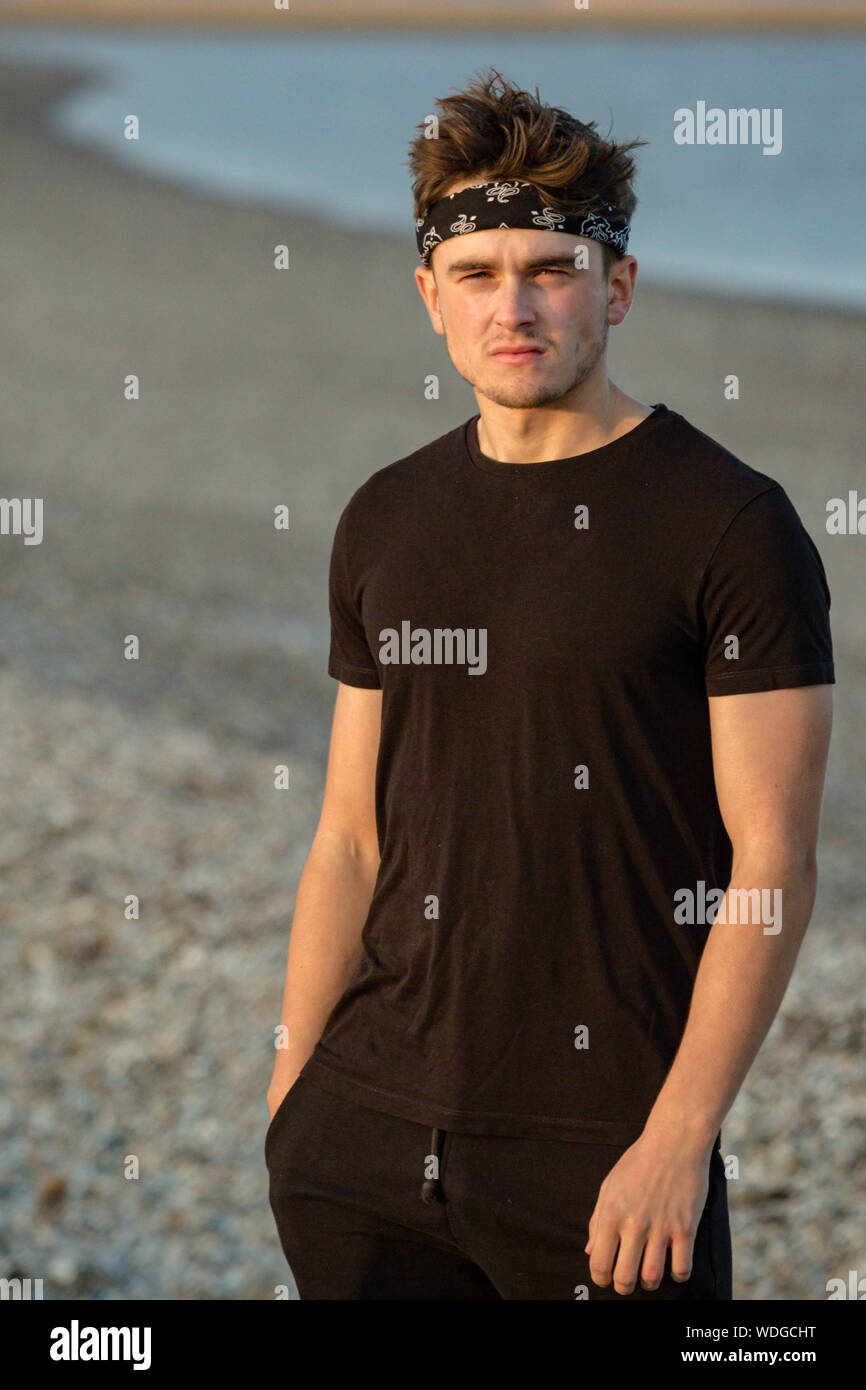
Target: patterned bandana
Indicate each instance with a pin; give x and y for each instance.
(483, 206)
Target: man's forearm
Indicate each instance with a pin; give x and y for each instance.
(333, 898)
(742, 978)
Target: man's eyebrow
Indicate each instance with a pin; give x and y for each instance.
(527, 265)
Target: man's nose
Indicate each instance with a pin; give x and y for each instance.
(513, 303)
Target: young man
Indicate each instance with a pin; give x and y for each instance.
(585, 664)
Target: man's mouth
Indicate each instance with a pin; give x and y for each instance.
(518, 354)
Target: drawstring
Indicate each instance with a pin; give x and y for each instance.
(431, 1188)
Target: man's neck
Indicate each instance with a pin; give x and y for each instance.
(552, 432)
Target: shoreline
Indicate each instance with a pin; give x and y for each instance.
(22, 102)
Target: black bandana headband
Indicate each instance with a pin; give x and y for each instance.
(486, 206)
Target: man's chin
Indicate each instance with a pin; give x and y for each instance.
(527, 396)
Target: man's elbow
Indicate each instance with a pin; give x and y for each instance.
(789, 859)
(351, 844)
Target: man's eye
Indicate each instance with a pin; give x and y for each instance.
(540, 270)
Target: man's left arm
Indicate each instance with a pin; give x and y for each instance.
(769, 759)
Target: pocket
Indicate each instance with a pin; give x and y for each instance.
(718, 1230)
(279, 1114)
(712, 1197)
(711, 1226)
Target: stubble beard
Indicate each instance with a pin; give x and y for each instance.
(527, 394)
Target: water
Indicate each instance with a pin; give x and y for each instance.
(323, 121)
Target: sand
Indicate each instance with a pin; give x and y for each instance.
(153, 1036)
(452, 14)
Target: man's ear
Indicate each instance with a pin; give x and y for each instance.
(428, 289)
(621, 289)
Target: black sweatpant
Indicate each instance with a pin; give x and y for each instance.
(361, 1213)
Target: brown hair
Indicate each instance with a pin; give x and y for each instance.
(495, 128)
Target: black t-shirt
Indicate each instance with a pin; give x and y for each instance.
(545, 636)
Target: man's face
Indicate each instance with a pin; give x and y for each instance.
(519, 287)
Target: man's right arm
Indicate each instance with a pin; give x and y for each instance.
(336, 885)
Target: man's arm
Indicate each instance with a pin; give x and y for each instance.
(769, 760)
(335, 887)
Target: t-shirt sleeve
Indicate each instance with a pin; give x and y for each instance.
(349, 658)
(765, 585)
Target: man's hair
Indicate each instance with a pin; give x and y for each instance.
(495, 129)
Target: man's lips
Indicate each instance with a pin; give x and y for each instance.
(521, 350)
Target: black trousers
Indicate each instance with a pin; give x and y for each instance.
(361, 1211)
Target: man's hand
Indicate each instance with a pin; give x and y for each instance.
(651, 1198)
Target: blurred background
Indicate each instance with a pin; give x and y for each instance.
(153, 1036)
